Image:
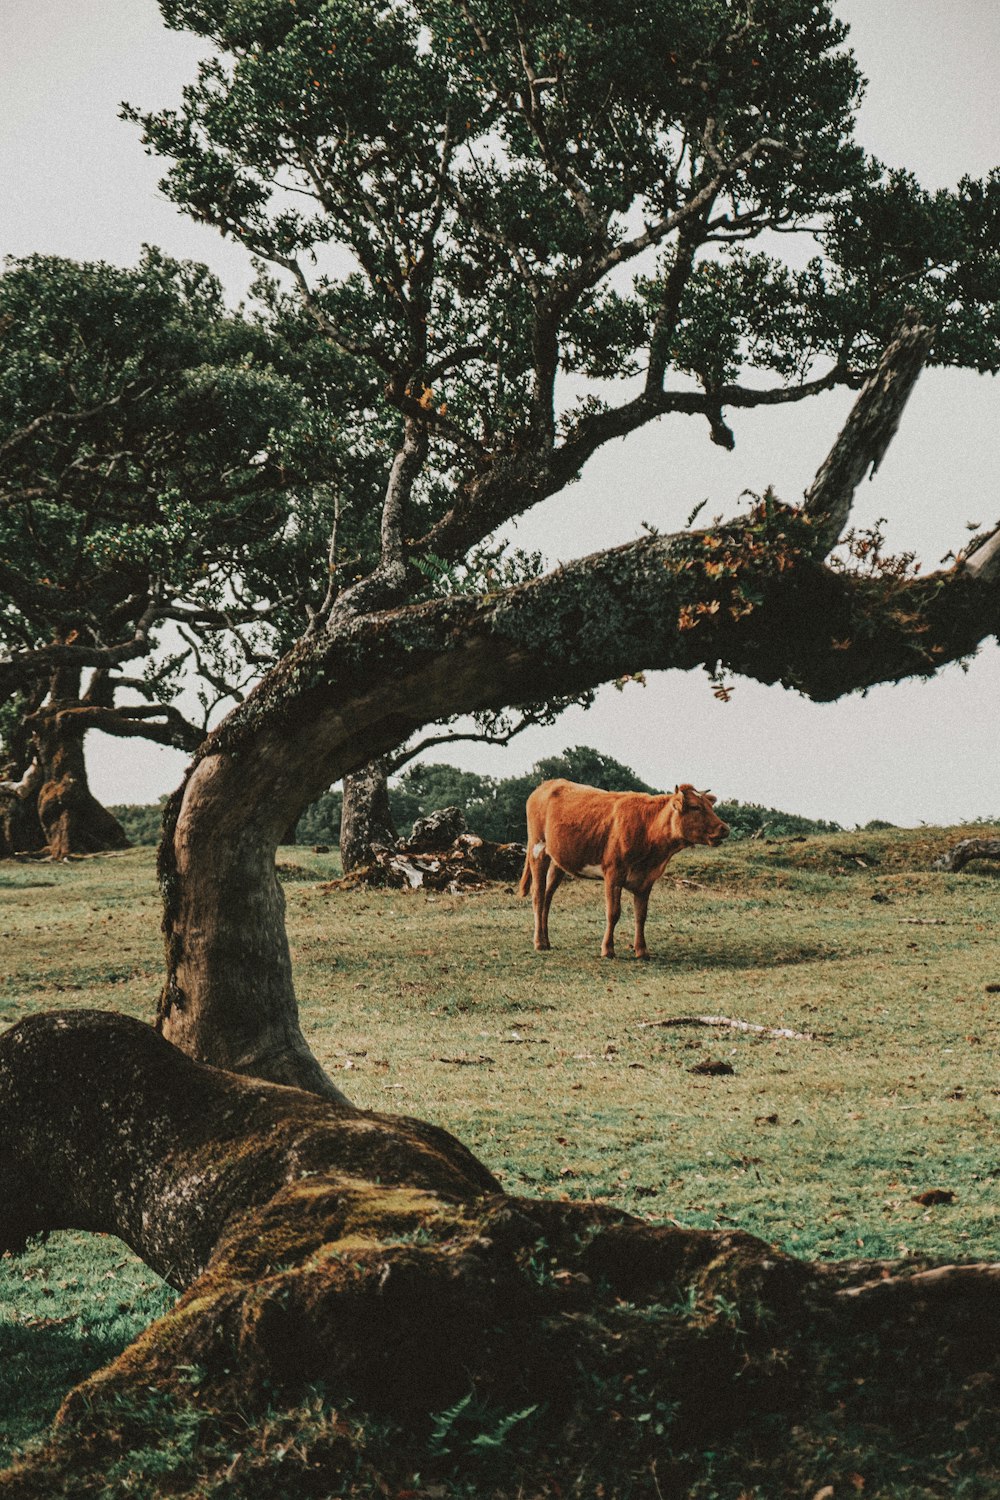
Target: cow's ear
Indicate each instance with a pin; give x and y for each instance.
(676, 790)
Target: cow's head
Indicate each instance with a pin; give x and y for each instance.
(699, 822)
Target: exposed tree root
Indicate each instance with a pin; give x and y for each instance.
(939, 1281)
(317, 1245)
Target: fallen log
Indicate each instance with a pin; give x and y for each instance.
(959, 855)
(468, 864)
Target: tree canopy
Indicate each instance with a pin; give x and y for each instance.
(524, 194)
(149, 445)
(162, 460)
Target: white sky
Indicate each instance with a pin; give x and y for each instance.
(77, 183)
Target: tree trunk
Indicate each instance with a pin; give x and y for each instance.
(72, 820)
(366, 820)
(229, 997)
(375, 1256)
(20, 780)
(20, 829)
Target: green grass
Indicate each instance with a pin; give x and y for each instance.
(438, 1006)
(66, 1307)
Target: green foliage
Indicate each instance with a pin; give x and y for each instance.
(142, 822)
(751, 820)
(148, 432)
(474, 1435)
(471, 196)
(320, 823)
(424, 787)
(161, 457)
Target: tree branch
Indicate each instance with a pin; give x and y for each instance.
(135, 721)
(513, 484)
(533, 110)
(982, 560)
(133, 390)
(697, 205)
(867, 432)
(21, 666)
(29, 783)
(386, 585)
(359, 692)
(406, 753)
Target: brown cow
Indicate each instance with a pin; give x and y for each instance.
(624, 838)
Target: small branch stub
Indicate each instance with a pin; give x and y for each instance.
(868, 431)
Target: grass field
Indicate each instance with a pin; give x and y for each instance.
(546, 1064)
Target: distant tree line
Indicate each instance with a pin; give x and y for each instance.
(494, 807)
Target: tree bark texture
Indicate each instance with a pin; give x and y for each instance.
(870, 429)
(313, 1242)
(366, 818)
(20, 829)
(72, 819)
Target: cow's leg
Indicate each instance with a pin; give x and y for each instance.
(640, 900)
(613, 905)
(541, 868)
(553, 879)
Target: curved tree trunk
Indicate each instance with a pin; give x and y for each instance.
(229, 997)
(316, 1243)
(71, 816)
(72, 819)
(366, 820)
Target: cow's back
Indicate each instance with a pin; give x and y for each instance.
(580, 825)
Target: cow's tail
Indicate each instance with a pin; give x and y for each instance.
(525, 885)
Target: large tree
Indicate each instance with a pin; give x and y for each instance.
(162, 459)
(534, 229)
(530, 195)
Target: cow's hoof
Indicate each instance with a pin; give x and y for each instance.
(608, 955)
(644, 956)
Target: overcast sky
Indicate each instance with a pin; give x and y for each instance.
(77, 183)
